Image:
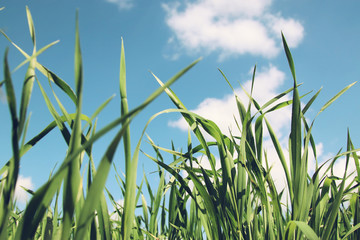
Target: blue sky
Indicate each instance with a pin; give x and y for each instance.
(164, 37)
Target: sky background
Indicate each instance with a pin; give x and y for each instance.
(165, 36)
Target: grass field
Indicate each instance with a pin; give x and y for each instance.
(239, 200)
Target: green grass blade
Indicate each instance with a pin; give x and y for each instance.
(305, 229)
(129, 204)
(51, 108)
(6, 201)
(156, 205)
(289, 57)
(297, 168)
(29, 78)
(353, 229)
(61, 106)
(310, 102)
(31, 27)
(209, 207)
(99, 109)
(26, 93)
(58, 81)
(72, 185)
(145, 211)
(11, 99)
(328, 103)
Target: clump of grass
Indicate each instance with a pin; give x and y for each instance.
(240, 200)
(237, 201)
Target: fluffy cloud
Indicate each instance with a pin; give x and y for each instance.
(122, 4)
(231, 27)
(20, 194)
(339, 169)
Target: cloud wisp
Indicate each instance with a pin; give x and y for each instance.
(230, 27)
(122, 4)
(20, 194)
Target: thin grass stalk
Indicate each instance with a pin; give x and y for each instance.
(130, 169)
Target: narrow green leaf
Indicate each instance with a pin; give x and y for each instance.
(6, 201)
(353, 229)
(72, 186)
(305, 229)
(289, 57)
(31, 27)
(297, 166)
(328, 103)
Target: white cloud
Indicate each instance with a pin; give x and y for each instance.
(339, 170)
(292, 29)
(119, 206)
(204, 163)
(122, 4)
(231, 27)
(20, 194)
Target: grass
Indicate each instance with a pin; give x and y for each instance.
(237, 201)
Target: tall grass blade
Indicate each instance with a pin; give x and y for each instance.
(298, 176)
(72, 184)
(8, 191)
(130, 170)
(29, 78)
(328, 103)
